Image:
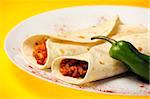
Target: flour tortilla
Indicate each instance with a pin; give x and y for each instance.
(124, 29)
(121, 29)
(100, 64)
(75, 41)
(54, 49)
(106, 28)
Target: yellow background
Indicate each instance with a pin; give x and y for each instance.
(17, 84)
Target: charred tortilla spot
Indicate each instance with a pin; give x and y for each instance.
(101, 62)
(94, 26)
(140, 49)
(82, 37)
(88, 49)
(62, 51)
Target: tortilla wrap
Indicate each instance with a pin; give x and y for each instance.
(106, 28)
(109, 28)
(54, 49)
(100, 64)
(130, 29)
(122, 29)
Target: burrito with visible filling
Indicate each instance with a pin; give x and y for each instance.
(39, 50)
(96, 64)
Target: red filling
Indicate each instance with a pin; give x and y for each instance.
(40, 53)
(73, 68)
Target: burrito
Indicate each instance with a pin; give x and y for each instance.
(96, 64)
(108, 28)
(124, 29)
(39, 50)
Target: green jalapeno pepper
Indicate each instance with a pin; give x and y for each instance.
(125, 52)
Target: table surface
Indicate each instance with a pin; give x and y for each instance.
(17, 84)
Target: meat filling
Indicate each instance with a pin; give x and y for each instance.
(40, 53)
(73, 68)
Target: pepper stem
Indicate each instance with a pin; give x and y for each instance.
(112, 41)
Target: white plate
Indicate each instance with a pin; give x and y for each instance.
(74, 18)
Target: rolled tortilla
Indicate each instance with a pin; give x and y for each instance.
(100, 64)
(106, 28)
(121, 29)
(130, 29)
(109, 28)
(54, 49)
